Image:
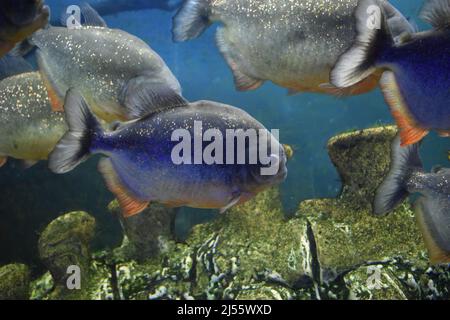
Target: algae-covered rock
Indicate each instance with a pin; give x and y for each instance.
(42, 287)
(345, 232)
(14, 282)
(362, 159)
(251, 251)
(64, 243)
(375, 282)
(146, 234)
(398, 279)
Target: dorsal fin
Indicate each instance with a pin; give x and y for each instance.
(90, 15)
(11, 66)
(398, 25)
(142, 97)
(436, 13)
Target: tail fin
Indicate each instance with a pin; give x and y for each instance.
(191, 20)
(437, 13)
(75, 145)
(359, 61)
(433, 216)
(393, 190)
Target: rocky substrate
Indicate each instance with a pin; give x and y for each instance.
(331, 249)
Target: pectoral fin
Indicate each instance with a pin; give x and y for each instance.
(130, 205)
(231, 204)
(410, 131)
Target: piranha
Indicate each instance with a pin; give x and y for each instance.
(18, 20)
(293, 43)
(407, 176)
(29, 129)
(143, 162)
(416, 83)
(108, 66)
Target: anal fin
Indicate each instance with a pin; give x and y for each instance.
(3, 161)
(130, 206)
(27, 164)
(410, 132)
(242, 80)
(231, 204)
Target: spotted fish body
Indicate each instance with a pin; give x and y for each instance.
(108, 66)
(29, 129)
(18, 20)
(291, 43)
(140, 168)
(417, 78)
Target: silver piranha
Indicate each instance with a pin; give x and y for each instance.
(18, 20)
(407, 176)
(29, 129)
(291, 43)
(143, 157)
(108, 66)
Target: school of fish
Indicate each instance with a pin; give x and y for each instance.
(99, 90)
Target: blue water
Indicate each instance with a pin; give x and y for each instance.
(306, 122)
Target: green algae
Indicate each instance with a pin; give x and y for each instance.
(346, 234)
(65, 242)
(14, 282)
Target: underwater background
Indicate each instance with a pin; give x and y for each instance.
(31, 198)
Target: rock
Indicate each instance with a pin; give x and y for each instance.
(375, 282)
(14, 282)
(65, 242)
(346, 234)
(252, 249)
(42, 287)
(146, 234)
(398, 280)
